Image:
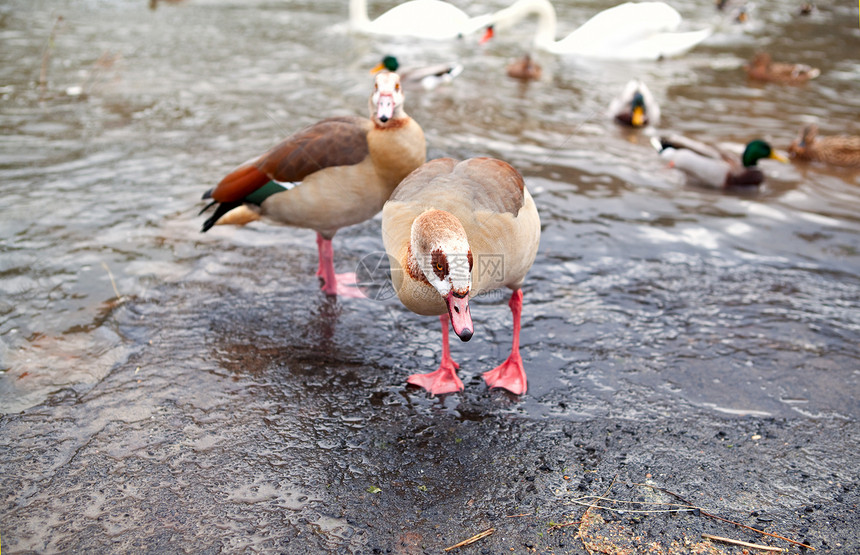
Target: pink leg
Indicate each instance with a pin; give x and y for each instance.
(510, 374)
(334, 284)
(444, 379)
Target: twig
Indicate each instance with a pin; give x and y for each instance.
(743, 543)
(472, 540)
(564, 525)
(112, 282)
(702, 511)
(46, 56)
(585, 514)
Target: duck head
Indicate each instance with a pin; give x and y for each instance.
(389, 63)
(386, 102)
(441, 251)
(758, 149)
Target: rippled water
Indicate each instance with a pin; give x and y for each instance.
(646, 291)
(198, 390)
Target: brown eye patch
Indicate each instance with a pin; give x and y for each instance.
(440, 264)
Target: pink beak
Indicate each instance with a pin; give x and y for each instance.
(461, 317)
(385, 107)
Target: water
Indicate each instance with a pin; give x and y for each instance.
(648, 298)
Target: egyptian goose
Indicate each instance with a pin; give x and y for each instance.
(629, 31)
(836, 150)
(763, 68)
(423, 19)
(714, 168)
(428, 77)
(454, 230)
(635, 106)
(334, 173)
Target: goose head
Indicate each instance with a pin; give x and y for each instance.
(386, 102)
(441, 252)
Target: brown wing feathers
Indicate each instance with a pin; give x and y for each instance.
(331, 142)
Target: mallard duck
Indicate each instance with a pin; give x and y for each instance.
(629, 31)
(428, 77)
(713, 167)
(524, 68)
(454, 230)
(763, 68)
(635, 106)
(334, 173)
(837, 150)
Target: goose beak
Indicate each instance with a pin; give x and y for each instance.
(461, 317)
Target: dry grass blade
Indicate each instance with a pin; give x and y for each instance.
(472, 540)
(742, 543)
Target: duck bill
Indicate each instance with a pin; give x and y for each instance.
(638, 118)
(461, 317)
(777, 156)
(378, 68)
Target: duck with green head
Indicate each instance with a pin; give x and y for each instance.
(715, 168)
(428, 77)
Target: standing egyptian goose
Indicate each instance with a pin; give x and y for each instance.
(343, 168)
(454, 230)
(635, 106)
(712, 167)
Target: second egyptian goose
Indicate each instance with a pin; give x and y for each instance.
(454, 230)
(334, 173)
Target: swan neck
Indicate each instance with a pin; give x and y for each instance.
(522, 9)
(358, 13)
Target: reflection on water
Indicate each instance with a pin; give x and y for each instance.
(647, 292)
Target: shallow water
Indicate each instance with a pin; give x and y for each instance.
(649, 297)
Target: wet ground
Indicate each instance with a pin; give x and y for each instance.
(167, 391)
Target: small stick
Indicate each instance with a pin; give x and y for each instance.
(715, 517)
(585, 514)
(112, 281)
(472, 540)
(564, 525)
(743, 543)
(46, 56)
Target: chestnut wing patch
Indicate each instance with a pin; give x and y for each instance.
(330, 142)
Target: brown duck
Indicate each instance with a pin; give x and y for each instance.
(763, 68)
(836, 150)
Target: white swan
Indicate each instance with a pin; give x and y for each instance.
(629, 31)
(425, 19)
